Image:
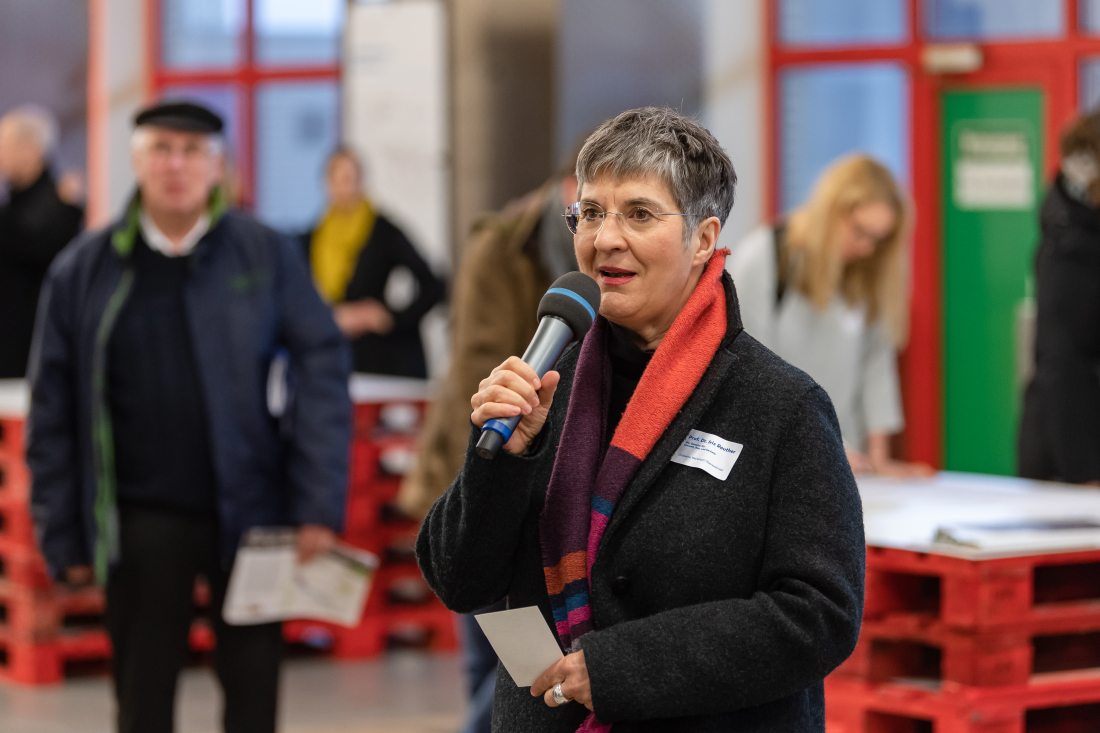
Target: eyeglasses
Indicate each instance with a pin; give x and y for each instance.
(586, 218)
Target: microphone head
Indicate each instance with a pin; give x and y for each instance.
(574, 298)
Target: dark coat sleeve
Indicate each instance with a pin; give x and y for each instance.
(721, 656)
(468, 542)
(1068, 339)
(386, 249)
(318, 461)
(51, 427)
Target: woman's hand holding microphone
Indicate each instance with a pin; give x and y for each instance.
(513, 389)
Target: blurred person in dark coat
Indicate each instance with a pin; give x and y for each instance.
(353, 253)
(36, 223)
(1060, 427)
(151, 445)
(511, 258)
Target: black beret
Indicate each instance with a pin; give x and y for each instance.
(183, 116)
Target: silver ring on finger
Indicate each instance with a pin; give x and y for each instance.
(559, 698)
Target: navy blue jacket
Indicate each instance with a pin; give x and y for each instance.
(249, 296)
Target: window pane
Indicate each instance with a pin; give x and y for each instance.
(201, 33)
(297, 126)
(1088, 16)
(837, 22)
(993, 19)
(1089, 90)
(833, 109)
(298, 31)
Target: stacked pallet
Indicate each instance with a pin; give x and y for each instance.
(45, 627)
(400, 607)
(959, 645)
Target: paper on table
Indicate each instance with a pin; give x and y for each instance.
(525, 644)
(267, 583)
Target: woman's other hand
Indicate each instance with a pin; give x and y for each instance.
(859, 462)
(361, 317)
(513, 389)
(572, 673)
(881, 464)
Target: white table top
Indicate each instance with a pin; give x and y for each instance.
(15, 398)
(995, 516)
(368, 388)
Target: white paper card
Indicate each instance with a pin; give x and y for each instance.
(525, 644)
(714, 455)
(267, 583)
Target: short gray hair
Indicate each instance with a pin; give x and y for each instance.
(33, 121)
(675, 148)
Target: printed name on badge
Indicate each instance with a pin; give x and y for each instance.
(708, 452)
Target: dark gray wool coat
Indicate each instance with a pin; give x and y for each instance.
(718, 605)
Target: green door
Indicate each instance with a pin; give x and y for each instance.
(992, 162)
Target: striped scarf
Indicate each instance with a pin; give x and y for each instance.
(585, 485)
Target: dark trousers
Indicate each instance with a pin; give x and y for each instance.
(481, 672)
(150, 609)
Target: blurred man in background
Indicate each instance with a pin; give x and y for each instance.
(511, 259)
(35, 224)
(150, 443)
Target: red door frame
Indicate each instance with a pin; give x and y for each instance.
(1051, 65)
(246, 77)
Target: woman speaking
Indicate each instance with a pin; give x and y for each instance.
(675, 499)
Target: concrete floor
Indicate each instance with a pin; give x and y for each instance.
(403, 692)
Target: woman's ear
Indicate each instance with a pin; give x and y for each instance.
(705, 240)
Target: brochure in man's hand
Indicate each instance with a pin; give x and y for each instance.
(268, 584)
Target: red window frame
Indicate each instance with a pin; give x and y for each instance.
(1050, 64)
(245, 77)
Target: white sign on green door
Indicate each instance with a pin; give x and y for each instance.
(992, 166)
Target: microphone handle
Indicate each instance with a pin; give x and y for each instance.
(549, 341)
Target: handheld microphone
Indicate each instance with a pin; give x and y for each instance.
(565, 314)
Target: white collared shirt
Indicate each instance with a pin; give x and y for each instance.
(158, 241)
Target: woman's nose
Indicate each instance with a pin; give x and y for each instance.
(611, 235)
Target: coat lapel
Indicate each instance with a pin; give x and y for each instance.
(662, 452)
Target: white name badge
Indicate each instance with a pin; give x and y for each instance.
(708, 452)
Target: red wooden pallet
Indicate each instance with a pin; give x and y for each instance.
(919, 648)
(43, 662)
(22, 565)
(16, 525)
(366, 508)
(369, 422)
(982, 594)
(430, 626)
(11, 437)
(1068, 703)
(31, 614)
(15, 481)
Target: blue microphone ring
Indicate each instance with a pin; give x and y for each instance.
(498, 427)
(574, 296)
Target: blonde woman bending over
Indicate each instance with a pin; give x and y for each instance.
(826, 289)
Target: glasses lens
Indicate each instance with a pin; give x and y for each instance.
(571, 217)
(640, 219)
(589, 218)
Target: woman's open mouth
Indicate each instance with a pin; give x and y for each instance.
(615, 276)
